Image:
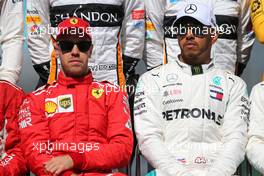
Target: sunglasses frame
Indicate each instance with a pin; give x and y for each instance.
(65, 49)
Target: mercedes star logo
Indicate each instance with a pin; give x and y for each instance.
(191, 8)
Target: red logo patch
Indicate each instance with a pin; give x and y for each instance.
(138, 14)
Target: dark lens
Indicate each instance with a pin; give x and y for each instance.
(196, 31)
(66, 46)
(84, 46)
(199, 31)
(182, 30)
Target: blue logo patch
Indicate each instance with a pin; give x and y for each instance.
(217, 80)
(173, 1)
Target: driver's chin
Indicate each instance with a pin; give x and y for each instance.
(190, 54)
(75, 72)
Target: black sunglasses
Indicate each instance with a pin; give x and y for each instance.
(66, 46)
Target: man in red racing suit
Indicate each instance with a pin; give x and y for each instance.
(12, 161)
(75, 125)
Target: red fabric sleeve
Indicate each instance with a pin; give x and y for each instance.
(11, 97)
(34, 134)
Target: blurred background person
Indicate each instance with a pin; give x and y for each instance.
(118, 35)
(232, 49)
(256, 127)
(257, 17)
(11, 37)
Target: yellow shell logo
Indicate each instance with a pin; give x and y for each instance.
(74, 21)
(97, 93)
(50, 107)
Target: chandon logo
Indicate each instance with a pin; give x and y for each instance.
(192, 113)
(90, 16)
(97, 14)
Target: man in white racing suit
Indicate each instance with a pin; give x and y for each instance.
(11, 29)
(232, 49)
(117, 27)
(190, 117)
(255, 144)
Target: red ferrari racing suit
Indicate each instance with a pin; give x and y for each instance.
(87, 120)
(12, 161)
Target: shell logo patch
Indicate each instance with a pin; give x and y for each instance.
(74, 21)
(97, 93)
(50, 107)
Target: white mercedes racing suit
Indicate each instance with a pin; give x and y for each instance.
(232, 47)
(191, 124)
(11, 27)
(255, 153)
(113, 22)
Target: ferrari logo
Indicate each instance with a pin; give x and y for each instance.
(97, 93)
(74, 21)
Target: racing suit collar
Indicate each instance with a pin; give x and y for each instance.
(74, 81)
(194, 70)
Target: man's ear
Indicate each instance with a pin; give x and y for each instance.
(90, 50)
(56, 45)
(214, 37)
(56, 48)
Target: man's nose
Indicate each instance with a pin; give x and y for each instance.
(189, 34)
(75, 50)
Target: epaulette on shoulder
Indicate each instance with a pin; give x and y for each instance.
(261, 83)
(12, 85)
(104, 84)
(44, 88)
(228, 72)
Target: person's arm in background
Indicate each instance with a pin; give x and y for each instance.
(38, 35)
(257, 17)
(133, 32)
(12, 162)
(255, 153)
(246, 38)
(11, 40)
(154, 49)
(149, 126)
(234, 130)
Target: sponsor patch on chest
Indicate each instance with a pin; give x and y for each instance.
(60, 104)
